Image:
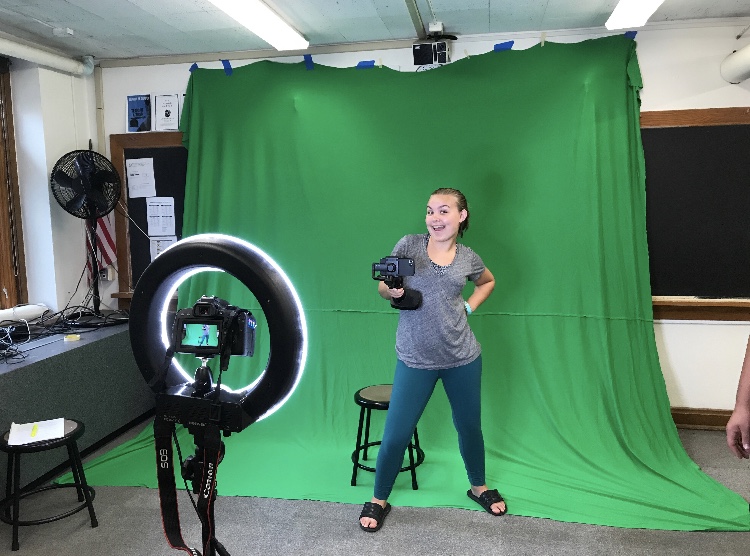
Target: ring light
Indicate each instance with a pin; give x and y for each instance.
(273, 290)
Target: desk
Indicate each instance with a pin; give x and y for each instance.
(94, 380)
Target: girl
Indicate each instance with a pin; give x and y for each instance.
(435, 342)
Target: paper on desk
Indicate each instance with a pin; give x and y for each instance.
(37, 431)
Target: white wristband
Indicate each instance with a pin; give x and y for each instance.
(468, 307)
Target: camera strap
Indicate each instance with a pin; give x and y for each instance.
(163, 433)
(207, 495)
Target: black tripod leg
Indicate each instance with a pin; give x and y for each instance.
(219, 547)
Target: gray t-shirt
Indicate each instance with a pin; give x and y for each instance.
(437, 335)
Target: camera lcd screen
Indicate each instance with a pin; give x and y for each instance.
(196, 335)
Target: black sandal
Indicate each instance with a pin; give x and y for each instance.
(486, 499)
(374, 511)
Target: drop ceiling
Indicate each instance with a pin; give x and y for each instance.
(125, 29)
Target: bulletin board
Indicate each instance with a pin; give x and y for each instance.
(170, 166)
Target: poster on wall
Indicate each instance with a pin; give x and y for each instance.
(138, 113)
(166, 108)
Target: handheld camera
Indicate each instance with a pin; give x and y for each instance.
(392, 271)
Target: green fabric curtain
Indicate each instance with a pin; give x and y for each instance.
(325, 169)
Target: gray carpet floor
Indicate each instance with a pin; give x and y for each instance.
(130, 525)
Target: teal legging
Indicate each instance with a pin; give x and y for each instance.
(412, 389)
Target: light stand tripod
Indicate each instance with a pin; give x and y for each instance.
(201, 469)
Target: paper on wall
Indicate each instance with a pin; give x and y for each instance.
(141, 181)
(160, 215)
(159, 244)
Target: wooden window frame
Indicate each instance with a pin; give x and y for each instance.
(13, 285)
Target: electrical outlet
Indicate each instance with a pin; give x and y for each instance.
(107, 274)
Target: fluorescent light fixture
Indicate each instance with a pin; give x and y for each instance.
(632, 13)
(264, 22)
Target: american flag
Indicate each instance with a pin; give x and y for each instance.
(106, 252)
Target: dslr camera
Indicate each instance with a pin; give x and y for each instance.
(209, 328)
(392, 271)
(212, 327)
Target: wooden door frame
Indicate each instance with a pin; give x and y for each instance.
(118, 143)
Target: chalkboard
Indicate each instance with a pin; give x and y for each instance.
(698, 209)
(170, 167)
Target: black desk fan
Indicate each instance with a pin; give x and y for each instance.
(86, 184)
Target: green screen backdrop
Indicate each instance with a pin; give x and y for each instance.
(325, 169)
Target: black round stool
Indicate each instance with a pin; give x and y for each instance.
(73, 431)
(379, 397)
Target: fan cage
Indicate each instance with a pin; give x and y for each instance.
(109, 185)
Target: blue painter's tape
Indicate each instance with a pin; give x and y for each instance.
(366, 64)
(193, 67)
(308, 62)
(227, 67)
(503, 46)
(631, 34)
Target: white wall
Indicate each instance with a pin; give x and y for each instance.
(680, 67)
(32, 176)
(52, 115)
(679, 63)
(701, 361)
